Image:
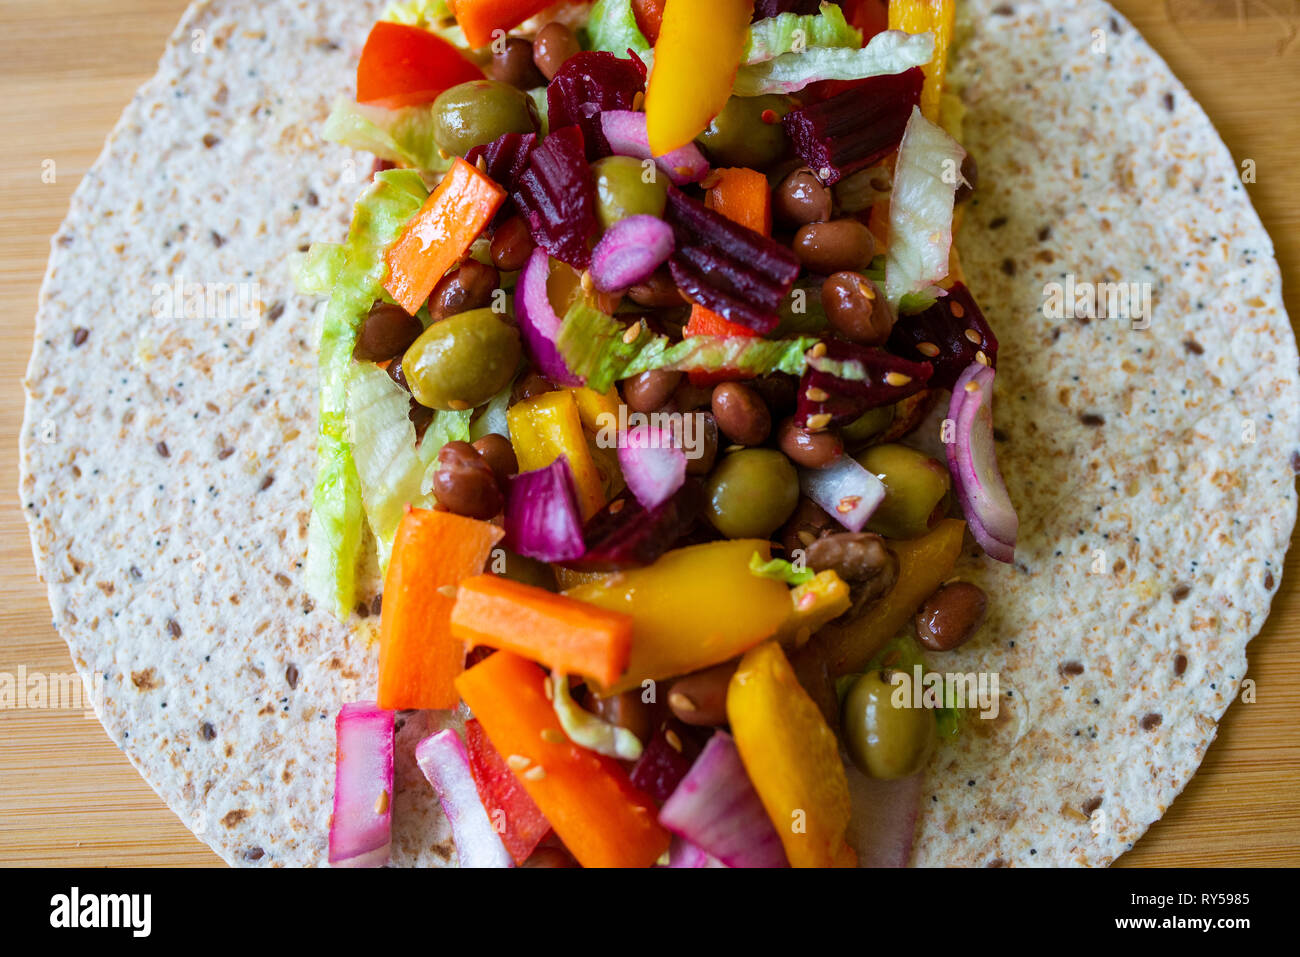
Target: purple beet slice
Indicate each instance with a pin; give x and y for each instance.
(729, 269)
(772, 8)
(504, 161)
(950, 335)
(557, 196)
(847, 380)
(588, 84)
(625, 535)
(666, 760)
(854, 129)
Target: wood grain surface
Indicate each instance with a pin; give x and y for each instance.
(68, 796)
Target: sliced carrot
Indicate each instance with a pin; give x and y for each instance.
(480, 19)
(743, 196)
(419, 658)
(440, 234)
(562, 633)
(600, 816)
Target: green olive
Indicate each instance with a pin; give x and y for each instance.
(476, 113)
(870, 423)
(885, 741)
(625, 187)
(740, 136)
(752, 492)
(462, 362)
(916, 486)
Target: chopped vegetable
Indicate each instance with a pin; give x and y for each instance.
(855, 129)
(845, 490)
(440, 234)
(589, 731)
(630, 252)
(923, 565)
(791, 32)
(630, 535)
(779, 570)
(935, 17)
(557, 196)
(505, 160)
(653, 463)
(537, 319)
(792, 758)
(588, 86)
(950, 335)
(419, 657)
(625, 130)
(887, 54)
(694, 69)
(480, 19)
(743, 196)
(612, 26)
(973, 461)
(542, 517)
(562, 633)
(715, 808)
(683, 853)
(406, 66)
(601, 818)
(362, 823)
(920, 210)
(402, 136)
(666, 760)
(884, 819)
(514, 815)
(444, 762)
(548, 426)
(694, 607)
(814, 603)
(845, 380)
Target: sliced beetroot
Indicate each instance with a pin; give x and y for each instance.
(733, 271)
(662, 765)
(557, 196)
(846, 380)
(626, 535)
(950, 335)
(505, 158)
(854, 129)
(773, 8)
(587, 85)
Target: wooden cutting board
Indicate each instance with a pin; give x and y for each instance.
(68, 796)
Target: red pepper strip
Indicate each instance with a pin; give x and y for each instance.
(515, 815)
(481, 18)
(405, 66)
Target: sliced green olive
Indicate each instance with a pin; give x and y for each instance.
(916, 486)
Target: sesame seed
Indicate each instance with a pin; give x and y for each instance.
(927, 349)
(897, 379)
(957, 310)
(481, 163)
(815, 394)
(381, 803)
(806, 537)
(981, 358)
(973, 335)
(972, 387)
(818, 422)
(552, 736)
(680, 702)
(633, 331)
(817, 351)
(867, 290)
(535, 773)
(549, 687)
(517, 762)
(848, 504)
(447, 591)
(673, 740)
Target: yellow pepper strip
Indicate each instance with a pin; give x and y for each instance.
(547, 426)
(592, 405)
(923, 565)
(792, 759)
(696, 59)
(927, 16)
(695, 607)
(814, 604)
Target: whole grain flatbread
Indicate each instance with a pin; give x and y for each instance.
(168, 462)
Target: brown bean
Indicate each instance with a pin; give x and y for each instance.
(707, 451)
(951, 616)
(385, 333)
(512, 244)
(690, 396)
(742, 416)
(464, 483)
(649, 391)
(470, 286)
(808, 523)
(854, 309)
(512, 62)
(528, 385)
(554, 44)
(970, 179)
(801, 199)
(626, 710)
(657, 292)
(499, 454)
(701, 698)
(831, 247)
(779, 391)
(421, 418)
(859, 558)
(812, 450)
(395, 373)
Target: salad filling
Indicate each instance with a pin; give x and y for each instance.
(632, 357)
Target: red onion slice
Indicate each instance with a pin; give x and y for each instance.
(653, 464)
(883, 825)
(444, 761)
(972, 459)
(682, 853)
(542, 518)
(626, 132)
(362, 825)
(845, 490)
(538, 321)
(630, 251)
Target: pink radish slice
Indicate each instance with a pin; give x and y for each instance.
(362, 824)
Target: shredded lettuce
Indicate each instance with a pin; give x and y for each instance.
(493, 418)
(542, 107)
(334, 533)
(588, 731)
(793, 33)
(402, 136)
(926, 177)
(612, 27)
(889, 52)
(319, 268)
(778, 569)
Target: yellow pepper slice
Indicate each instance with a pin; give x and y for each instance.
(592, 405)
(696, 58)
(923, 565)
(695, 607)
(547, 426)
(792, 759)
(814, 604)
(927, 16)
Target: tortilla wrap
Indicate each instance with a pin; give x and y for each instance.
(168, 458)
